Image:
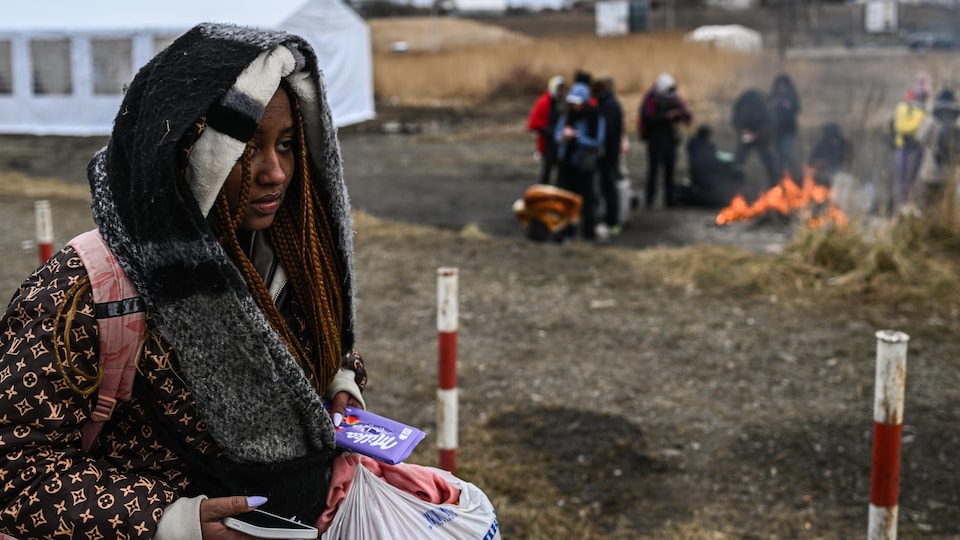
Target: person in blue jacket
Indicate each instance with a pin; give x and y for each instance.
(580, 137)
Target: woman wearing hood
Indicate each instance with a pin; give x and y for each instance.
(221, 196)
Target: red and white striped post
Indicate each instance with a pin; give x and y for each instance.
(887, 428)
(447, 325)
(41, 210)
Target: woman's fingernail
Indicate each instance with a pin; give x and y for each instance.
(337, 418)
(255, 501)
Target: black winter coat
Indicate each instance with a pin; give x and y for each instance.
(751, 113)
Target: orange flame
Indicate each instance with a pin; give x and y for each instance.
(786, 197)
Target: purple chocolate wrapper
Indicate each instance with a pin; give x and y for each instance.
(376, 436)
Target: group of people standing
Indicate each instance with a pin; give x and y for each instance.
(580, 135)
(764, 123)
(581, 143)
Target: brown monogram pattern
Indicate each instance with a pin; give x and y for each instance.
(49, 488)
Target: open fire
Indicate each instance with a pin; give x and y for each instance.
(788, 198)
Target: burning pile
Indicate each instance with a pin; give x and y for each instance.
(787, 198)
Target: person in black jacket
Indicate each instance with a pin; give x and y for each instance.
(829, 155)
(658, 124)
(609, 163)
(946, 112)
(714, 178)
(753, 124)
(785, 107)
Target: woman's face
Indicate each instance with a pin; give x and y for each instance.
(272, 162)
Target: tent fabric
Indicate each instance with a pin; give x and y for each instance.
(105, 42)
(728, 36)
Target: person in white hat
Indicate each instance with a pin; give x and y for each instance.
(662, 113)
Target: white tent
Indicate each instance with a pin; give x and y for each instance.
(64, 63)
(728, 36)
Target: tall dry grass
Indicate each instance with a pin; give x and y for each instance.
(909, 260)
(463, 62)
(434, 34)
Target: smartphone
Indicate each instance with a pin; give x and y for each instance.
(266, 525)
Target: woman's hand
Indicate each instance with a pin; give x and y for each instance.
(212, 512)
(338, 408)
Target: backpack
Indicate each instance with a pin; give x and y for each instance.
(121, 316)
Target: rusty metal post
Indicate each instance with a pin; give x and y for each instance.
(887, 429)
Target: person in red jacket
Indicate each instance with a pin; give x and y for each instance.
(543, 119)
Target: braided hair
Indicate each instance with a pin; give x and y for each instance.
(304, 244)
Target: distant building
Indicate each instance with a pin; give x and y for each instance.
(619, 17)
(881, 16)
(732, 4)
(480, 7)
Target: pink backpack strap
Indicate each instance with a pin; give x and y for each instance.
(121, 317)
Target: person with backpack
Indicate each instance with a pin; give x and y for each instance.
(660, 116)
(220, 197)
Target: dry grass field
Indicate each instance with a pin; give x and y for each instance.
(694, 426)
(682, 382)
(464, 62)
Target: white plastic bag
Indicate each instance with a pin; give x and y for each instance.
(627, 201)
(373, 509)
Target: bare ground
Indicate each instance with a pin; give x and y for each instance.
(602, 394)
